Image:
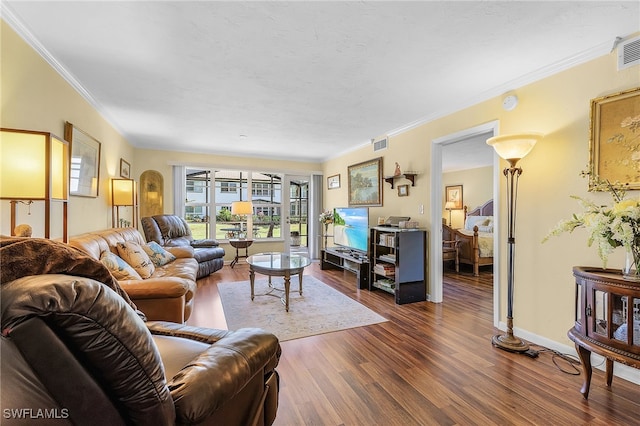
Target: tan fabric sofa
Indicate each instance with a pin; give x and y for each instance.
(165, 296)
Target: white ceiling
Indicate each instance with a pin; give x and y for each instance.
(304, 80)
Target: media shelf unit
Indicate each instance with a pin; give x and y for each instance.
(398, 263)
(349, 260)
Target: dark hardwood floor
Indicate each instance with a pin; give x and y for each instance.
(430, 364)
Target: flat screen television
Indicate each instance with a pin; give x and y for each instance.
(351, 227)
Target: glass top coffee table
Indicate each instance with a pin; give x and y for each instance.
(277, 265)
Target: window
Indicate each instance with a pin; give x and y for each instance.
(261, 189)
(228, 187)
(210, 194)
(196, 186)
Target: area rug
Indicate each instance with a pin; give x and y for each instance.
(320, 309)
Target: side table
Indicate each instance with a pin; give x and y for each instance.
(240, 244)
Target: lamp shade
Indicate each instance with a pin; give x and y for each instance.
(514, 147)
(122, 192)
(242, 207)
(449, 205)
(33, 166)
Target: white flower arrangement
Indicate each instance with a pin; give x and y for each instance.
(609, 227)
(326, 217)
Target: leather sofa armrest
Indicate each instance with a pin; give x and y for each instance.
(180, 251)
(200, 334)
(205, 243)
(155, 288)
(218, 374)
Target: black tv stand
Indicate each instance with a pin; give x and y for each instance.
(349, 260)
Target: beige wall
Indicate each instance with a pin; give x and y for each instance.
(557, 106)
(35, 97)
(477, 189)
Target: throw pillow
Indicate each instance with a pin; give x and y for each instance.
(135, 256)
(158, 255)
(120, 269)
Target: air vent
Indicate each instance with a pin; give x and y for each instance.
(629, 53)
(379, 145)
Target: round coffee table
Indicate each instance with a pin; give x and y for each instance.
(277, 265)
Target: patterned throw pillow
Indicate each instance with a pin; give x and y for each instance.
(120, 269)
(135, 256)
(158, 255)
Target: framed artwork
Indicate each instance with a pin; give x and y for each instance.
(614, 149)
(403, 190)
(125, 169)
(454, 194)
(85, 162)
(333, 182)
(365, 183)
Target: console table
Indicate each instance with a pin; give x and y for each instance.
(334, 258)
(605, 306)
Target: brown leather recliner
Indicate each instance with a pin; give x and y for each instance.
(73, 351)
(170, 231)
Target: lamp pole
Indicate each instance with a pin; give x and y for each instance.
(512, 148)
(508, 341)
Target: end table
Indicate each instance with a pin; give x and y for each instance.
(239, 243)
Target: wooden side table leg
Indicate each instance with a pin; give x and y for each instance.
(300, 285)
(609, 372)
(585, 357)
(252, 279)
(287, 287)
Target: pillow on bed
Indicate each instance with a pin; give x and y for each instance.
(478, 221)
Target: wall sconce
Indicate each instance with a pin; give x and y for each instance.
(449, 205)
(123, 194)
(34, 167)
(242, 208)
(512, 148)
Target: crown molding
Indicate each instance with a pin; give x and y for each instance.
(541, 73)
(9, 16)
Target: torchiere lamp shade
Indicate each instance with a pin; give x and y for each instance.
(514, 147)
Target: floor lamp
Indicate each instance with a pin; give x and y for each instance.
(123, 194)
(34, 167)
(512, 148)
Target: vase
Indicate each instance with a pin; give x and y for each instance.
(631, 269)
(326, 232)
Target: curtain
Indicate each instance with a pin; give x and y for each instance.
(179, 190)
(315, 208)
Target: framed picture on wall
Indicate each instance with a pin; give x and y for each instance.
(403, 190)
(454, 194)
(365, 181)
(125, 169)
(85, 162)
(614, 150)
(333, 182)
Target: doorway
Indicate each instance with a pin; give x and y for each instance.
(295, 221)
(486, 130)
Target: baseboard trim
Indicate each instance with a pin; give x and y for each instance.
(619, 370)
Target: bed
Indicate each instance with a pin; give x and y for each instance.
(475, 240)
